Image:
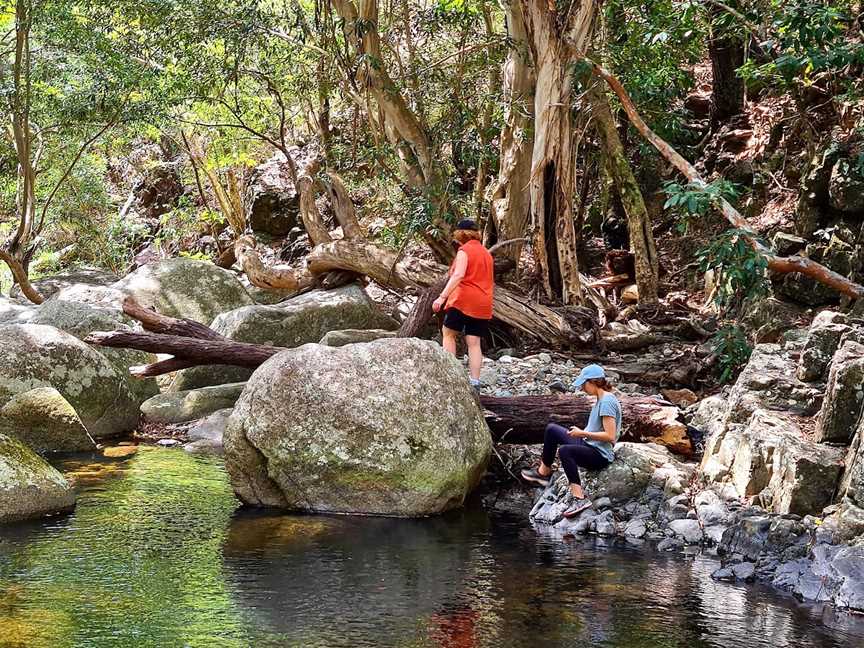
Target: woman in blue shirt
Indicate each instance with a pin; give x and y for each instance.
(590, 448)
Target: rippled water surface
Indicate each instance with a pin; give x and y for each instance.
(157, 554)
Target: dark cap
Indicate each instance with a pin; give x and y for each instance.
(466, 224)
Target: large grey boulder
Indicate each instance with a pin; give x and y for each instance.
(196, 290)
(80, 319)
(300, 320)
(827, 329)
(273, 204)
(835, 248)
(179, 407)
(45, 421)
(844, 396)
(391, 427)
(846, 187)
(29, 487)
(766, 319)
(48, 286)
(775, 464)
(12, 312)
(33, 355)
(206, 434)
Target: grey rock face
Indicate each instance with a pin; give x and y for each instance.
(29, 487)
(273, 205)
(353, 336)
(823, 339)
(844, 397)
(391, 427)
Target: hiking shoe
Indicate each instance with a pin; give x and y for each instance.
(533, 475)
(577, 507)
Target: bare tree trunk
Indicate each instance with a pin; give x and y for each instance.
(727, 55)
(555, 38)
(264, 276)
(510, 198)
(638, 223)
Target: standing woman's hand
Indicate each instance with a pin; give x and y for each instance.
(438, 304)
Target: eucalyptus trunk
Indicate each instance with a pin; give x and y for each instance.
(557, 34)
(509, 198)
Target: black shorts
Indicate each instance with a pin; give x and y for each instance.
(456, 320)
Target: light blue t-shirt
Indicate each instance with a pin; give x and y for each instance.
(606, 406)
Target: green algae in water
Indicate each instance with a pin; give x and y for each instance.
(137, 563)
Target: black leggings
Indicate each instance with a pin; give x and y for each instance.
(574, 453)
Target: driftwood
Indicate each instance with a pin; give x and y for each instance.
(523, 419)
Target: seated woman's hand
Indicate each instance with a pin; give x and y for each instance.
(576, 433)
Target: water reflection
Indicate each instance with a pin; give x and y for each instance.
(157, 554)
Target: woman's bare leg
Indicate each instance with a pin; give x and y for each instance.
(449, 340)
(475, 356)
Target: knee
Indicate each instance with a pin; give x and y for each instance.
(448, 334)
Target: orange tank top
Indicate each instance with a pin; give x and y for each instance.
(473, 295)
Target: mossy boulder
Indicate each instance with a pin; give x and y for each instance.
(34, 355)
(45, 421)
(196, 290)
(300, 320)
(827, 329)
(11, 312)
(29, 487)
(391, 427)
(179, 407)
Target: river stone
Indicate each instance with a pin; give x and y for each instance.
(29, 487)
(391, 427)
(300, 320)
(81, 318)
(45, 421)
(689, 530)
(48, 286)
(196, 290)
(192, 404)
(33, 355)
(353, 336)
(823, 339)
(844, 396)
(775, 462)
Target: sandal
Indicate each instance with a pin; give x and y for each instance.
(577, 507)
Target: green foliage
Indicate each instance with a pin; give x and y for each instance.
(807, 38)
(694, 200)
(732, 348)
(740, 271)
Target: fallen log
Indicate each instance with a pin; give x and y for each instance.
(523, 419)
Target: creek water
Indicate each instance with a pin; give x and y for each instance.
(158, 553)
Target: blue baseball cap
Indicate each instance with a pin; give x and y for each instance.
(588, 373)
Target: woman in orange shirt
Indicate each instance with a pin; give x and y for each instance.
(467, 297)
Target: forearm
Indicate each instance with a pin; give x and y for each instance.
(599, 436)
(454, 281)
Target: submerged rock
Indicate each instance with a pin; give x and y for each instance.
(300, 320)
(29, 487)
(390, 427)
(196, 290)
(33, 355)
(182, 406)
(45, 421)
